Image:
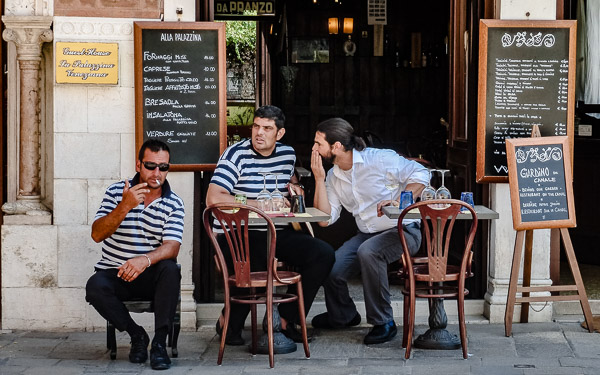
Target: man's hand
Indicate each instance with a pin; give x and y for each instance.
(316, 164)
(382, 204)
(133, 268)
(295, 189)
(107, 225)
(132, 197)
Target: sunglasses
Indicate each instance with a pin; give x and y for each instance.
(163, 167)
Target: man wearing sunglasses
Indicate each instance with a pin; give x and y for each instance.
(140, 225)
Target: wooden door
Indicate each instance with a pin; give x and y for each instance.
(462, 118)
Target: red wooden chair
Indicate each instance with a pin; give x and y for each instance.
(432, 276)
(235, 226)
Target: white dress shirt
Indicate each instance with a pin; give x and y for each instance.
(362, 187)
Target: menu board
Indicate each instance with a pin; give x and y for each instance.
(541, 185)
(180, 95)
(526, 78)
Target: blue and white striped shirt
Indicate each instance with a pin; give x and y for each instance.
(144, 228)
(238, 168)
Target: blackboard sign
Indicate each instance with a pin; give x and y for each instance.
(526, 78)
(180, 95)
(541, 182)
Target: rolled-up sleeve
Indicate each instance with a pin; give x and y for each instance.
(411, 172)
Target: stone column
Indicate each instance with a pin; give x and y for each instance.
(28, 33)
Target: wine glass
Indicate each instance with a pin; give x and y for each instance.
(276, 196)
(264, 197)
(442, 192)
(429, 192)
(391, 183)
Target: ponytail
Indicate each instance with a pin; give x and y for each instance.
(339, 130)
(358, 143)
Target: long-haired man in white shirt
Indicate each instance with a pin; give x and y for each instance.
(357, 183)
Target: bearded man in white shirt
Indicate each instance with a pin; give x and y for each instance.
(357, 183)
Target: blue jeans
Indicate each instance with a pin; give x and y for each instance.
(367, 254)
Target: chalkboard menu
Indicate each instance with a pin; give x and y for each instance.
(180, 95)
(540, 181)
(526, 78)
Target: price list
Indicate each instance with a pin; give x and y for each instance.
(527, 84)
(180, 89)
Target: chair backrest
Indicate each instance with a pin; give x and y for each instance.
(233, 220)
(437, 220)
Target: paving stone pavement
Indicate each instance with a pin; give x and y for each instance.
(534, 348)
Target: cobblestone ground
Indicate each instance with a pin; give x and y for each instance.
(534, 348)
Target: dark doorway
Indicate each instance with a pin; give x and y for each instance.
(397, 98)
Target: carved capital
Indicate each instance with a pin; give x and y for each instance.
(28, 33)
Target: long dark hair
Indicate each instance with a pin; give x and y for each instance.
(339, 130)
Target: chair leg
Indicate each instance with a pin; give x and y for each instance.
(111, 340)
(253, 319)
(270, 331)
(303, 319)
(462, 324)
(174, 335)
(224, 332)
(411, 323)
(405, 321)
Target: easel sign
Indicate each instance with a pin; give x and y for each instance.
(541, 195)
(541, 182)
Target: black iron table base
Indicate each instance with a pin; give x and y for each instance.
(281, 344)
(437, 337)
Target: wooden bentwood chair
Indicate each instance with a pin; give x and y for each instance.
(427, 277)
(235, 226)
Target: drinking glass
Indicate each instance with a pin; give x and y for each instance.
(429, 192)
(239, 198)
(264, 197)
(391, 183)
(467, 197)
(277, 198)
(442, 192)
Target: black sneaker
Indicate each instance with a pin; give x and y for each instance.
(381, 333)
(139, 348)
(159, 359)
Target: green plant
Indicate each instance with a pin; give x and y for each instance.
(240, 38)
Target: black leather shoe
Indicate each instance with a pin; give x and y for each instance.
(159, 359)
(139, 348)
(381, 333)
(293, 334)
(322, 321)
(233, 338)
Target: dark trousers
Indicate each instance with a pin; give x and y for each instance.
(159, 283)
(311, 257)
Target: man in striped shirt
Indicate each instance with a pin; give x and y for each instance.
(238, 172)
(140, 224)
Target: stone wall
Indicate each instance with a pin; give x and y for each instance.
(45, 267)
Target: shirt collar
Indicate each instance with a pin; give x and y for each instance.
(357, 157)
(166, 188)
